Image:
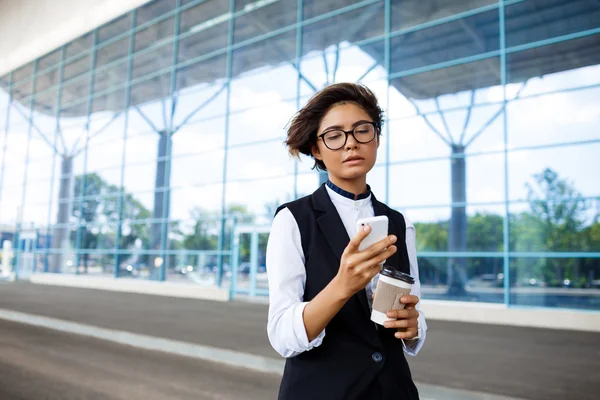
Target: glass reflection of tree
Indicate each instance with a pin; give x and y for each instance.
(76, 128)
(458, 144)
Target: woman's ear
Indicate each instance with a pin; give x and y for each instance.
(378, 140)
(316, 153)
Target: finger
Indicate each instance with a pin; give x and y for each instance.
(401, 323)
(377, 248)
(376, 260)
(408, 334)
(355, 241)
(403, 314)
(410, 301)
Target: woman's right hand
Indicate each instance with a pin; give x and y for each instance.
(357, 268)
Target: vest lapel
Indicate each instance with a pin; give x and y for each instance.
(330, 222)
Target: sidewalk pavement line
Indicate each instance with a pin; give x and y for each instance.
(214, 354)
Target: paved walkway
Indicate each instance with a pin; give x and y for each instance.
(519, 362)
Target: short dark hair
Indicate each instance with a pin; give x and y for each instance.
(302, 133)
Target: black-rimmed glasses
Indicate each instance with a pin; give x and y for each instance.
(335, 139)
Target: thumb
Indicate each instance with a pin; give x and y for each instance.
(360, 235)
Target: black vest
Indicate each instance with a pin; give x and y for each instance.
(355, 354)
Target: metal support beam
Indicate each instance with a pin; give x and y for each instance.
(65, 182)
(4, 145)
(83, 230)
(128, 77)
(441, 113)
(228, 73)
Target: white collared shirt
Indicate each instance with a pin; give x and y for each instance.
(287, 277)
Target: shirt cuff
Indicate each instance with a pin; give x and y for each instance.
(300, 330)
(412, 346)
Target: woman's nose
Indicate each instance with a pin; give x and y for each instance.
(351, 143)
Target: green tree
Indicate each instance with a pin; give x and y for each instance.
(99, 209)
(558, 217)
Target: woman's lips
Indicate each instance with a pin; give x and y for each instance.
(354, 161)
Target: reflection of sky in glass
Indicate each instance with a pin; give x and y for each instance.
(262, 104)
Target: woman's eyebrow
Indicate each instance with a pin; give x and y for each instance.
(354, 125)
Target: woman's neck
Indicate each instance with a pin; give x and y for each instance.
(355, 186)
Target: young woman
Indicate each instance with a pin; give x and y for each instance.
(320, 283)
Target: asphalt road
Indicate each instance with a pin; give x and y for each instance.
(37, 363)
(529, 363)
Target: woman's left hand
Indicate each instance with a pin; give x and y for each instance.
(406, 319)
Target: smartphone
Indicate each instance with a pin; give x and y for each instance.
(379, 230)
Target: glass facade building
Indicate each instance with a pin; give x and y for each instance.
(152, 147)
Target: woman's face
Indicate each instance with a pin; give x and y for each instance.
(354, 160)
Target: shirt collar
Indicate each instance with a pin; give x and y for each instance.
(345, 197)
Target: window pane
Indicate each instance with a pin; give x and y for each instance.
(566, 65)
(353, 26)
(277, 50)
(80, 45)
(555, 282)
(410, 13)
(344, 64)
(261, 123)
(77, 67)
(49, 60)
(184, 169)
(315, 8)
(153, 10)
(205, 72)
(112, 101)
(263, 17)
(22, 91)
(554, 166)
(112, 52)
(479, 76)
(554, 118)
(257, 161)
(198, 203)
(105, 149)
(199, 140)
(107, 78)
(462, 278)
(46, 80)
(450, 41)
(413, 139)
(161, 31)
(151, 89)
(4, 82)
(151, 62)
(46, 106)
(23, 72)
(204, 40)
(531, 21)
(406, 188)
(115, 28)
(265, 194)
(204, 15)
(75, 93)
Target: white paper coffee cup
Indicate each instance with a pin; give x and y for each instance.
(391, 286)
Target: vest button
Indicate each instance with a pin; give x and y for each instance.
(377, 357)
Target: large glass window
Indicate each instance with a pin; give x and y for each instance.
(102, 140)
